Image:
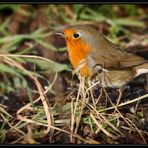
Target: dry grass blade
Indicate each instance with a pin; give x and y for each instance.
(74, 108)
(26, 56)
(116, 109)
(126, 103)
(92, 141)
(102, 129)
(38, 85)
(28, 106)
(129, 123)
(72, 118)
(13, 127)
(91, 93)
(137, 131)
(118, 100)
(29, 136)
(81, 90)
(55, 128)
(2, 110)
(104, 119)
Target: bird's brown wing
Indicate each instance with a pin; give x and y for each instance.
(130, 60)
(110, 56)
(124, 58)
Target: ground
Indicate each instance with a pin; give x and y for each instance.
(42, 102)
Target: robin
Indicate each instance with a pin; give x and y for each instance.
(91, 53)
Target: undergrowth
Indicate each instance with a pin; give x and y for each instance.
(81, 116)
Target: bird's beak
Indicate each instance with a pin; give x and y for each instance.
(61, 34)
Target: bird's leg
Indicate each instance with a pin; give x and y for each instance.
(118, 100)
(98, 68)
(105, 82)
(98, 73)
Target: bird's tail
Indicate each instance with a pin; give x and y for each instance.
(141, 69)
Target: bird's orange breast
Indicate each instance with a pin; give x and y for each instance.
(78, 51)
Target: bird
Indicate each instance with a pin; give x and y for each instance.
(95, 57)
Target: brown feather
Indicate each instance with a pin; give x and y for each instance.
(113, 57)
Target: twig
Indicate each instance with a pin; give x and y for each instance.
(38, 85)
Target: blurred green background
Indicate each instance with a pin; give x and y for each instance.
(29, 48)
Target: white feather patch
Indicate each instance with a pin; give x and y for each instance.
(141, 71)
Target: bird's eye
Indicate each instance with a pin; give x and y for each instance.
(76, 35)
